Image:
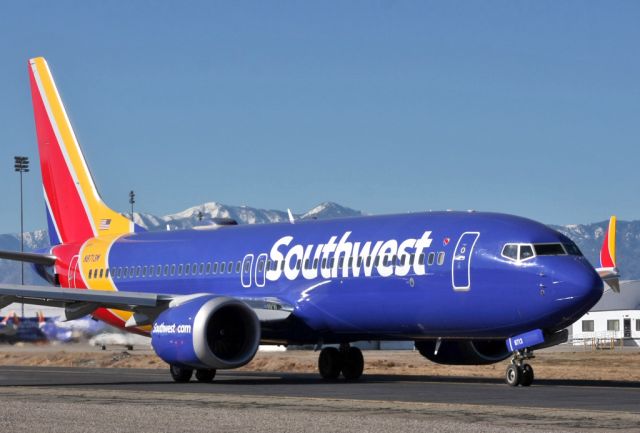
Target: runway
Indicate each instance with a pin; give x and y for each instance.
(78, 397)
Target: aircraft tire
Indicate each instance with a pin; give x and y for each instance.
(205, 376)
(527, 375)
(353, 364)
(330, 363)
(180, 374)
(513, 375)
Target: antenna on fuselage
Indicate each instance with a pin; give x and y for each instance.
(291, 219)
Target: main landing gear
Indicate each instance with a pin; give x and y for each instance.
(518, 371)
(183, 374)
(346, 360)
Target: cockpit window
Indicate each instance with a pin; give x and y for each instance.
(572, 249)
(526, 252)
(518, 252)
(549, 250)
(510, 251)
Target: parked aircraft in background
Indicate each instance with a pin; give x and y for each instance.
(14, 329)
(468, 287)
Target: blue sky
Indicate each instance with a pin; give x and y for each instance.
(529, 108)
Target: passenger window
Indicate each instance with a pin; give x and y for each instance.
(432, 257)
(180, 267)
(360, 260)
(208, 271)
(298, 264)
(187, 269)
(525, 252)
(215, 267)
(90, 273)
(260, 266)
(119, 272)
(324, 263)
(368, 261)
(350, 262)
(315, 263)
(307, 262)
(194, 269)
(101, 273)
(238, 267)
(223, 265)
(159, 270)
(138, 271)
(421, 259)
(166, 270)
(510, 251)
(247, 266)
(173, 270)
(440, 258)
(144, 271)
(230, 267)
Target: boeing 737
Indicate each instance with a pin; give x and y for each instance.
(467, 287)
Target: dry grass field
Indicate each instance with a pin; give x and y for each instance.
(578, 364)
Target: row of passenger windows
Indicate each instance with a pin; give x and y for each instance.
(231, 267)
(527, 251)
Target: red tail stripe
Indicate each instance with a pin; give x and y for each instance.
(62, 193)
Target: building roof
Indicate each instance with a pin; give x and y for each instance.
(627, 299)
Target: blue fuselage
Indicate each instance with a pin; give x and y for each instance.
(422, 275)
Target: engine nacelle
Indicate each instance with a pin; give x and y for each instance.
(464, 352)
(207, 332)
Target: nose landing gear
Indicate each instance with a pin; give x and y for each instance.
(518, 371)
(346, 360)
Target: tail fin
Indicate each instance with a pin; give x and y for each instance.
(608, 270)
(75, 211)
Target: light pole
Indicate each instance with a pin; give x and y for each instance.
(21, 165)
(132, 200)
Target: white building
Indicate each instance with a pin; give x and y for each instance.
(615, 319)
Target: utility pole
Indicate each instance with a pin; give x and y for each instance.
(132, 200)
(21, 165)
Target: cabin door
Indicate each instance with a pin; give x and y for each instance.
(461, 262)
(260, 270)
(247, 269)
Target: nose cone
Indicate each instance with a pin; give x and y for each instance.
(576, 289)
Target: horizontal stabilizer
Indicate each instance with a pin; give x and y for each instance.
(39, 259)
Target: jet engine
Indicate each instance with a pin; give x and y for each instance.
(211, 332)
(464, 352)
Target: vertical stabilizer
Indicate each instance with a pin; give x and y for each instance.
(75, 211)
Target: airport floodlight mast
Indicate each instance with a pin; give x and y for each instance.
(21, 165)
(132, 200)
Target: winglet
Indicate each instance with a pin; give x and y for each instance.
(608, 250)
(608, 270)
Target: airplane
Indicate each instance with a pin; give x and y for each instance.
(14, 329)
(467, 287)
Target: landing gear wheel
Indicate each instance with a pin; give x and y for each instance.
(180, 374)
(527, 375)
(353, 363)
(330, 363)
(513, 375)
(205, 376)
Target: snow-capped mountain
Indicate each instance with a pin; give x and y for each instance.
(208, 213)
(587, 236)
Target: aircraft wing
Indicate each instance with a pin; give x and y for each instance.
(80, 302)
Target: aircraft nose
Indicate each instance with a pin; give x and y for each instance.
(578, 288)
